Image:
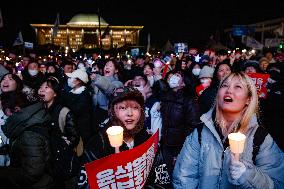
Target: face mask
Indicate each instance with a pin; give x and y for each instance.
(196, 71)
(70, 82)
(33, 72)
(204, 81)
(173, 82)
(139, 88)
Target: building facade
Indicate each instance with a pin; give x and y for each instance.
(83, 31)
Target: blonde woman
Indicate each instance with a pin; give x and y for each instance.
(206, 161)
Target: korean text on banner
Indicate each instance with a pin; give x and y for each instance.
(128, 169)
(260, 81)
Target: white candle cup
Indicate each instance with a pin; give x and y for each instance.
(237, 143)
(115, 136)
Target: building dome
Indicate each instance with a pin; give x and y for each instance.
(86, 19)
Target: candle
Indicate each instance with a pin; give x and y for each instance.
(237, 143)
(115, 136)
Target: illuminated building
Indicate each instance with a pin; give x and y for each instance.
(82, 31)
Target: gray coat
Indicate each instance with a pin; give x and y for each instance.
(207, 165)
(103, 87)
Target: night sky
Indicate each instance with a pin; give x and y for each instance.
(183, 21)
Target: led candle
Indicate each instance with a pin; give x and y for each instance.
(237, 143)
(115, 136)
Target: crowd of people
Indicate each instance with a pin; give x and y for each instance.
(55, 112)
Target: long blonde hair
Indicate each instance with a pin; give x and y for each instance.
(251, 109)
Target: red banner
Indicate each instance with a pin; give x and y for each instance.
(128, 169)
(260, 81)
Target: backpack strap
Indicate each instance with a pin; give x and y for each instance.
(62, 118)
(258, 139)
(199, 131)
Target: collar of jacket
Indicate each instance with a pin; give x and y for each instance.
(79, 90)
(209, 123)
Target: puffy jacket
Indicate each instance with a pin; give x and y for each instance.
(180, 115)
(81, 106)
(207, 165)
(70, 128)
(103, 87)
(29, 150)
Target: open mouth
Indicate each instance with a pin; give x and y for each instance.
(107, 71)
(41, 97)
(228, 99)
(129, 121)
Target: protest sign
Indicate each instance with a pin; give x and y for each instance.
(128, 169)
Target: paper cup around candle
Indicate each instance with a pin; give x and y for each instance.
(237, 142)
(115, 135)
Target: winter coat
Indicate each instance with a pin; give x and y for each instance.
(81, 105)
(70, 128)
(153, 118)
(207, 165)
(273, 113)
(31, 85)
(180, 115)
(103, 87)
(29, 150)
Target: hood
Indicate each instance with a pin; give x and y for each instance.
(209, 122)
(18, 122)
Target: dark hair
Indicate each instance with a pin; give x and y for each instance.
(19, 82)
(215, 80)
(117, 67)
(222, 52)
(66, 62)
(148, 64)
(141, 75)
(54, 84)
(141, 57)
(252, 63)
(13, 99)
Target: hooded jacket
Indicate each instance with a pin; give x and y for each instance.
(29, 150)
(207, 165)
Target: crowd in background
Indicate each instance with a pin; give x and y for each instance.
(173, 90)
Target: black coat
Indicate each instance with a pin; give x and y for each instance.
(100, 146)
(180, 115)
(81, 106)
(70, 128)
(29, 150)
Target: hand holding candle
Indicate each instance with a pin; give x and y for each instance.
(237, 142)
(115, 136)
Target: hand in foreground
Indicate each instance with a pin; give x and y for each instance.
(237, 168)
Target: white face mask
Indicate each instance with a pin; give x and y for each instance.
(196, 71)
(205, 81)
(139, 88)
(33, 72)
(173, 82)
(70, 82)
